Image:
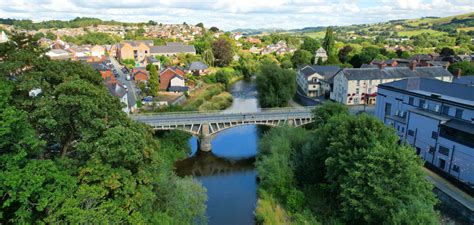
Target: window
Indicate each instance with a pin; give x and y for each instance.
(431, 150)
(445, 110)
(411, 101)
(357, 91)
(358, 82)
(444, 150)
(370, 82)
(459, 113)
(411, 133)
(456, 168)
(388, 108)
(434, 135)
(421, 102)
(403, 129)
(456, 135)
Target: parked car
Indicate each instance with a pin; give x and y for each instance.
(148, 99)
(128, 77)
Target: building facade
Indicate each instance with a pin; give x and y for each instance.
(436, 118)
(356, 86)
(314, 81)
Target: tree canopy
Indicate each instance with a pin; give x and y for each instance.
(275, 85)
(70, 155)
(223, 51)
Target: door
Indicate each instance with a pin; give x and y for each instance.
(442, 164)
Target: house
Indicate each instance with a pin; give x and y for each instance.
(140, 75)
(172, 48)
(172, 79)
(353, 86)
(3, 37)
(79, 51)
(58, 54)
(153, 61)
(118, 90)
(136, 50)
(314, 81)
(436, 118)
(320, 53)
(98, 51)
(198, 68)
(99, 66)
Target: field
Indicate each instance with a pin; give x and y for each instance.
(318, 35)
(430, 21)
(410, 33)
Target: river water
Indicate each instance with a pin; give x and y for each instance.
(228, 172)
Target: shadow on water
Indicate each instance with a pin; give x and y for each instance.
(208, 164)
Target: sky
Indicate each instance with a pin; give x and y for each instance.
(232, 14)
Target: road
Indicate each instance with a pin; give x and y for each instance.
(122, 78)
(199, 117)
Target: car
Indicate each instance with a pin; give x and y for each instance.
(125, 86)
(148, 99)
(128, 77)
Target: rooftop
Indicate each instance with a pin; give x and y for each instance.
(394, 72)
(444, 90)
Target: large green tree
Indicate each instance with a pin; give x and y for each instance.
(68, 154)
(370, 176)
(223, 51)
(275, 85)
(329, 41)
(154, 82)
(301, 57)
(310, 44)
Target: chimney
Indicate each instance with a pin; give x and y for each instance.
(458, 73)
(412, 65)
(382, 66)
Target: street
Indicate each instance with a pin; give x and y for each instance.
(122, 78)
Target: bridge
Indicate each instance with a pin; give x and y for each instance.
(205, 125)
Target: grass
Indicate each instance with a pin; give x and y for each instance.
(209, 97)
(430, 21)
(466, 29)
(319, 34)
(410, 33)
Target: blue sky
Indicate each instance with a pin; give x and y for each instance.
(232, 14)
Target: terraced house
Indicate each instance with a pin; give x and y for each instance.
(356, 86)
(139, 51)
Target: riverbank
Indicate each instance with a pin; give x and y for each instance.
(208, 97)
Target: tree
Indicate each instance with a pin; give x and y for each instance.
(320, 61)
(301, 57)
(208, 57)
(154, 82)
(223, 52)
(446, 52)
(344, 53)
(152, 23)
(359, 154)
(329, 41)
(201, 25)
(466, 67)
(70, 155)
(214, 29)
(310, 44)
(275, 85)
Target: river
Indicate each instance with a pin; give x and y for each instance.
(228, 172)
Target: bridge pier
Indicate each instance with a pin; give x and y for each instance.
(205, 138)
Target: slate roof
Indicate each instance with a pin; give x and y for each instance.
(197, 66)
(394, 72)
(116, 89)
(326, 71)
(466, 80)
(99, 66)
(172, 49)
(460, 93)
(151, 59)
(178, 88)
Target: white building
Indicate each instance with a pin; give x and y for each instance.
(314, 81)
(118, 90)
(353, 86)
(435, 117)
(3, 37)
(58, 54)
(320, 53)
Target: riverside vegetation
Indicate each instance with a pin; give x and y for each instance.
(68, 154)
(345, 169)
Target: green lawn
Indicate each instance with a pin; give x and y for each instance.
(319, 34)
(410, 33)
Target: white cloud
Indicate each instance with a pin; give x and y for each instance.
(231, 14)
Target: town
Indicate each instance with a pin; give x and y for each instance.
(401, 103)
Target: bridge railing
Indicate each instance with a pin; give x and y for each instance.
(224, 112)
